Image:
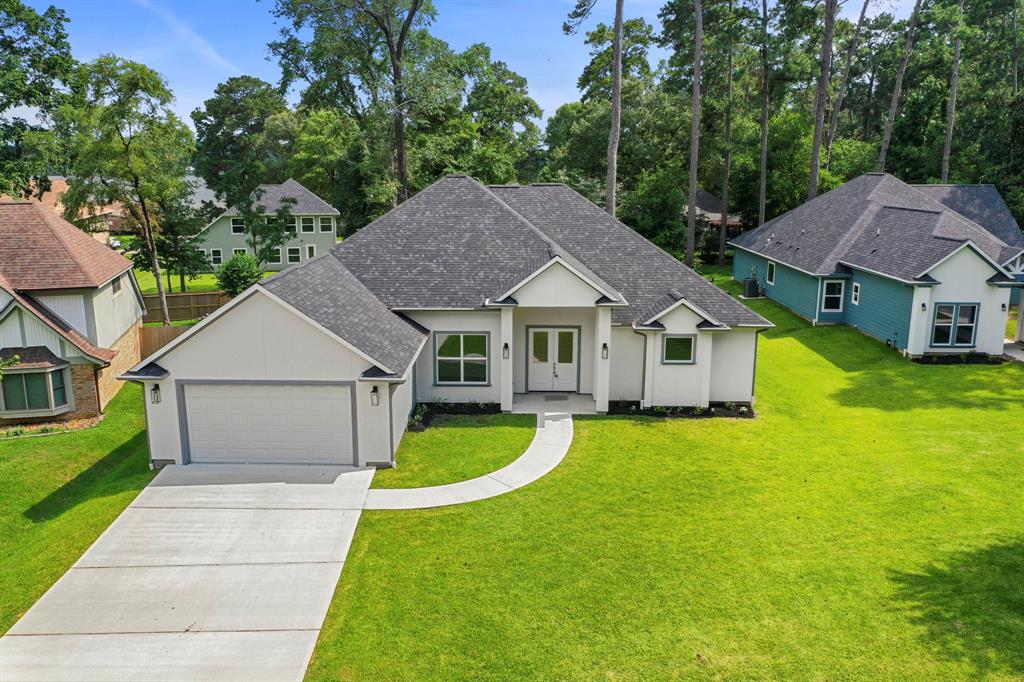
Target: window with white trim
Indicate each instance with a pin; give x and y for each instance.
(855, 294)
(770, 273)
(294, 254)
(275, 256)
(955, 325)
(678, 349)
(115, 285)
(308, 224)
(461, 358)
(216, 258)
(237, 252)
(310, 251)
(832, 297)
(34, 393)
(289, 224)
(238, 226)
(326, 224)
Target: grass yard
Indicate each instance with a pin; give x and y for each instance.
(60, 492)
(1011, 321)
(204, 282)
(443, 454)
(867, 525)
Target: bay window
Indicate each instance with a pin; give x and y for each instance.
(34, 393)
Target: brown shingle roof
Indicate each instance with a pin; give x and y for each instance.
(40, 250)
(32, 357)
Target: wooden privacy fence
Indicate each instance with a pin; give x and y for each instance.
(184, 306)
(153, 339)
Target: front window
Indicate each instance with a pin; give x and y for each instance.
(308, 224)
(770, 276)
(326, 224)
(237, 252)
(460, 358)
(34, 391)
(237, 226)
(275, 255)
(678, 350)
(216, 258)
(832, 301)
(294, 254)
(289, 224)
(955, 324)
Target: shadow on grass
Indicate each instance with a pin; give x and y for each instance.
(972, 607)
(117, 471)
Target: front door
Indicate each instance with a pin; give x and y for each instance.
(553, 361)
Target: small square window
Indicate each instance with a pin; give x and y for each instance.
(310, 251)
(308, 225)
(326, 224)
(289, 224)
(215, 257)
(237, 226)
(237, 252)
(294, 254)
(678, 350)
(770, 273)
(275, 256)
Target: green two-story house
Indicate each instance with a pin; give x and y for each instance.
(312, 226)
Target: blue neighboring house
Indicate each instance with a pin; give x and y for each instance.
(927, 269)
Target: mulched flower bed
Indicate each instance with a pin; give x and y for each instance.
(425, 412)
(48, 428)
(732, 410)
(961, 359)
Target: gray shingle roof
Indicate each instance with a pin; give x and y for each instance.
(326, 291)
(306, 203)
(981, 203)
(876, 222)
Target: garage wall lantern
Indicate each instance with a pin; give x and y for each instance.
(924, 307)
(154, 394)
(504, 352)
(1004, 307)
(604, 351)
(374, 397)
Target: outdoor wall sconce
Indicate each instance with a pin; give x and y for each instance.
(154, 394)
(374, 397)
(1004, 307)
(504, 352)
(604, 351)
(924, 307)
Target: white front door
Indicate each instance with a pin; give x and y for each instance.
(553, 359)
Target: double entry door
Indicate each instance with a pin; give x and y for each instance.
(553, 359)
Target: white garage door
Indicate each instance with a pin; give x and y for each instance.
(308, 423)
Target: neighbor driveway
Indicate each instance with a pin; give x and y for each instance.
(215, 571)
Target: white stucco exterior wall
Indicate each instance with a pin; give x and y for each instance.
(475, 321)
(401, 407)
(963, 279)
(626, 364)
(259, 339)
(556, 287)
(584, 318)
(682, 385)
(733, 363)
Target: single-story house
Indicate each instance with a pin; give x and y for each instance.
(710, 208)
(70, 311)
(891, 260)
(312, 224)
(465, 293)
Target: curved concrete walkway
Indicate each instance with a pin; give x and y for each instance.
(550, 443)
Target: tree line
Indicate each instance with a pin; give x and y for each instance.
(764, 103)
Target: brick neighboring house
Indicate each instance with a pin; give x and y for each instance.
(70, 310)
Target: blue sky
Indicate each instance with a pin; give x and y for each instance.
(196, 44)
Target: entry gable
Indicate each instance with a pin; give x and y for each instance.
(966, 253)
(557, 284)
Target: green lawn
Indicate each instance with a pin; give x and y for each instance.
(204, 282)
(443, 454)
(59, 493)
(867, 525)
(1011, 321)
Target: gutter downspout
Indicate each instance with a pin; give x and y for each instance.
(817, 305)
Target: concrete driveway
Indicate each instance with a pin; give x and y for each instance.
(215, 572)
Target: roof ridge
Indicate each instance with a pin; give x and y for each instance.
(60, 237)
(959, 216)
(854, 232)
(909, 208)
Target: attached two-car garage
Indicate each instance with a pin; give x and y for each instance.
(270, 422)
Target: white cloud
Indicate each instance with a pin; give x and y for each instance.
(189, 38)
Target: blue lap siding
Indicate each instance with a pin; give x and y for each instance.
(884, 310)
(794, 289)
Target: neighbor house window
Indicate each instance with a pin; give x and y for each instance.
(770, 273)
(275, 255)
(289, 224)
(460, 358)
(310, 251)
(678, 350)
(326, 224)
(238, 226)
(308, 224)
(855, 294)
(294, 254)
(955, 324)
(832, 301)
(115, 286)
(237, 252)
(215, 257)
(34, 391)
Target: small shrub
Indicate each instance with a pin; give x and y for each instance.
(729, 405)
(238, 274)
(698, 411)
